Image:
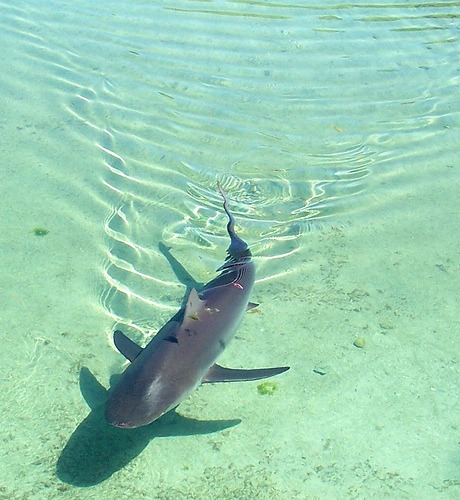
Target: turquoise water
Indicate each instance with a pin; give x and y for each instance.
(335, 131)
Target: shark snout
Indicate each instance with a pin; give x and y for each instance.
(125, 413)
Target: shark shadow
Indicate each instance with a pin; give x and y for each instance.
(97, 449)
(141, 409)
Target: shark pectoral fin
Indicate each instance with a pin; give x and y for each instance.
(251, 305)
(218, 373)
(126, 346)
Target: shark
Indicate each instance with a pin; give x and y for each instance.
(182, 355)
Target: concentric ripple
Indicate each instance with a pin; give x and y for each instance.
(309, 116)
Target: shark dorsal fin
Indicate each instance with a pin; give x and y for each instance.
(126, 346)
(218, 373)
(193, 306)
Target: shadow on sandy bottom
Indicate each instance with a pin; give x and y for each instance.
(96, 449)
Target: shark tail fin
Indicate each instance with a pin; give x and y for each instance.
(238, 248)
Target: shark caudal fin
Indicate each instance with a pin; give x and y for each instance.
(218, 373)
(238, 249)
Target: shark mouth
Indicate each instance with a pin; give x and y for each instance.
(122, 425)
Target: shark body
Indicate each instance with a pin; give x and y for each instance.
(183, 353)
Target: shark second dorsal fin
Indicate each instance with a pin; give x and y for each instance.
(218, 373)
(126, 346)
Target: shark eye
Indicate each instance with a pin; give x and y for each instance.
(172, 339)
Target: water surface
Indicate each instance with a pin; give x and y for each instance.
(335, 131)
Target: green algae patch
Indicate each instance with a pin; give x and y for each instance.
(267, 388)
(39, 231)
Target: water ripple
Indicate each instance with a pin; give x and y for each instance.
(307, 115)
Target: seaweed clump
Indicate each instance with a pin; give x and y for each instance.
(267, 388)
(40, 231)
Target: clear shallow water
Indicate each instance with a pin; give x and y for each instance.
(335, 131)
